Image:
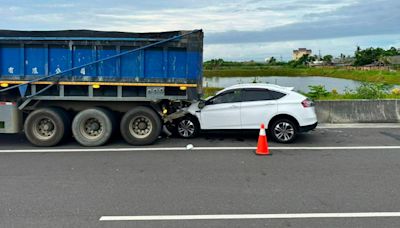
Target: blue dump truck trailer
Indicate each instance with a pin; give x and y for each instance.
(94, 84)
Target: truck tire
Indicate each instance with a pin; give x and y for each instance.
(283, 131)
(140, 126)
(47, 126)
(93, 127)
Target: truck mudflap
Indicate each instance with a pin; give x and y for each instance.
(10, 118)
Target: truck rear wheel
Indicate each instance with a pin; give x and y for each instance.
(93, 127)
(47, 126)
(140, 126)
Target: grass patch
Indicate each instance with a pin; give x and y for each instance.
(356, 97)
(366, 91)
(210, 91)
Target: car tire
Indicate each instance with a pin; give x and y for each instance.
(47, 127)
(140, 126)
(93, 127)
(187, 127)
(283, 131)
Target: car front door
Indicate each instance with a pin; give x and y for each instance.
(258, 106)
(222, 111)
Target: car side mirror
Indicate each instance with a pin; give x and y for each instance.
(201, 104)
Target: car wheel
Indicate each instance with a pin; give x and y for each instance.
(187, 127)
(283, 131)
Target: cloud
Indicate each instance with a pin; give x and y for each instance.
(158, 15)
(376, 17)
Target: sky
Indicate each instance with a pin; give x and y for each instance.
(234, 30)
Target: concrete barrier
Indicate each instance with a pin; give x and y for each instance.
(358, 111)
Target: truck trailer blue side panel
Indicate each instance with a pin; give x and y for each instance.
(35, 61)
(107, 68)
(132, 64)
(10, 60)
(154, 63)
(177, 70)
(83, 55)
(34, 55)
(59, 59)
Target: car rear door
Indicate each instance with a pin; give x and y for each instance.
(258, 106)
(222, 111)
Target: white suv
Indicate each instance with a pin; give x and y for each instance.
(245, 106)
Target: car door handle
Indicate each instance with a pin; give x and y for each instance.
(234, 106)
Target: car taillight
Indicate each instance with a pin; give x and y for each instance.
(307, 103)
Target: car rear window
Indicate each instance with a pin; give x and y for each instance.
(277, 95)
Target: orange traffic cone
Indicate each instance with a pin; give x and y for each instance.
(262, 146)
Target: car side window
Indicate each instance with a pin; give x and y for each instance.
(257, 95)
(227, 97)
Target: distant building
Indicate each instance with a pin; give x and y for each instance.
(317, 63)
(344, 61)
(297, 54)
(394, 60)
(375, 64)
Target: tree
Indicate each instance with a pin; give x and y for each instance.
(272, 61)
(367, 56)
(312, 58)
(303, 60)
(392, 52)
(327, 58)
(213, 63)
(371, 55)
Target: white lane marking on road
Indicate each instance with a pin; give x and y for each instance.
(196, 148)
(359, 125)
(251, 216)
(338, 148)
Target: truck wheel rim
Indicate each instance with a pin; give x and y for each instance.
(284, 131)
(140, 127)
(91, 128)
(186, 128)
(44, 128)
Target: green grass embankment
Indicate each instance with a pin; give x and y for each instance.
(382, 76)
(210, 91)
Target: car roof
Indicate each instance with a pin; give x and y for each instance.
(258, 86)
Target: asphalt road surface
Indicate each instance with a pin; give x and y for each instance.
(73, 186)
